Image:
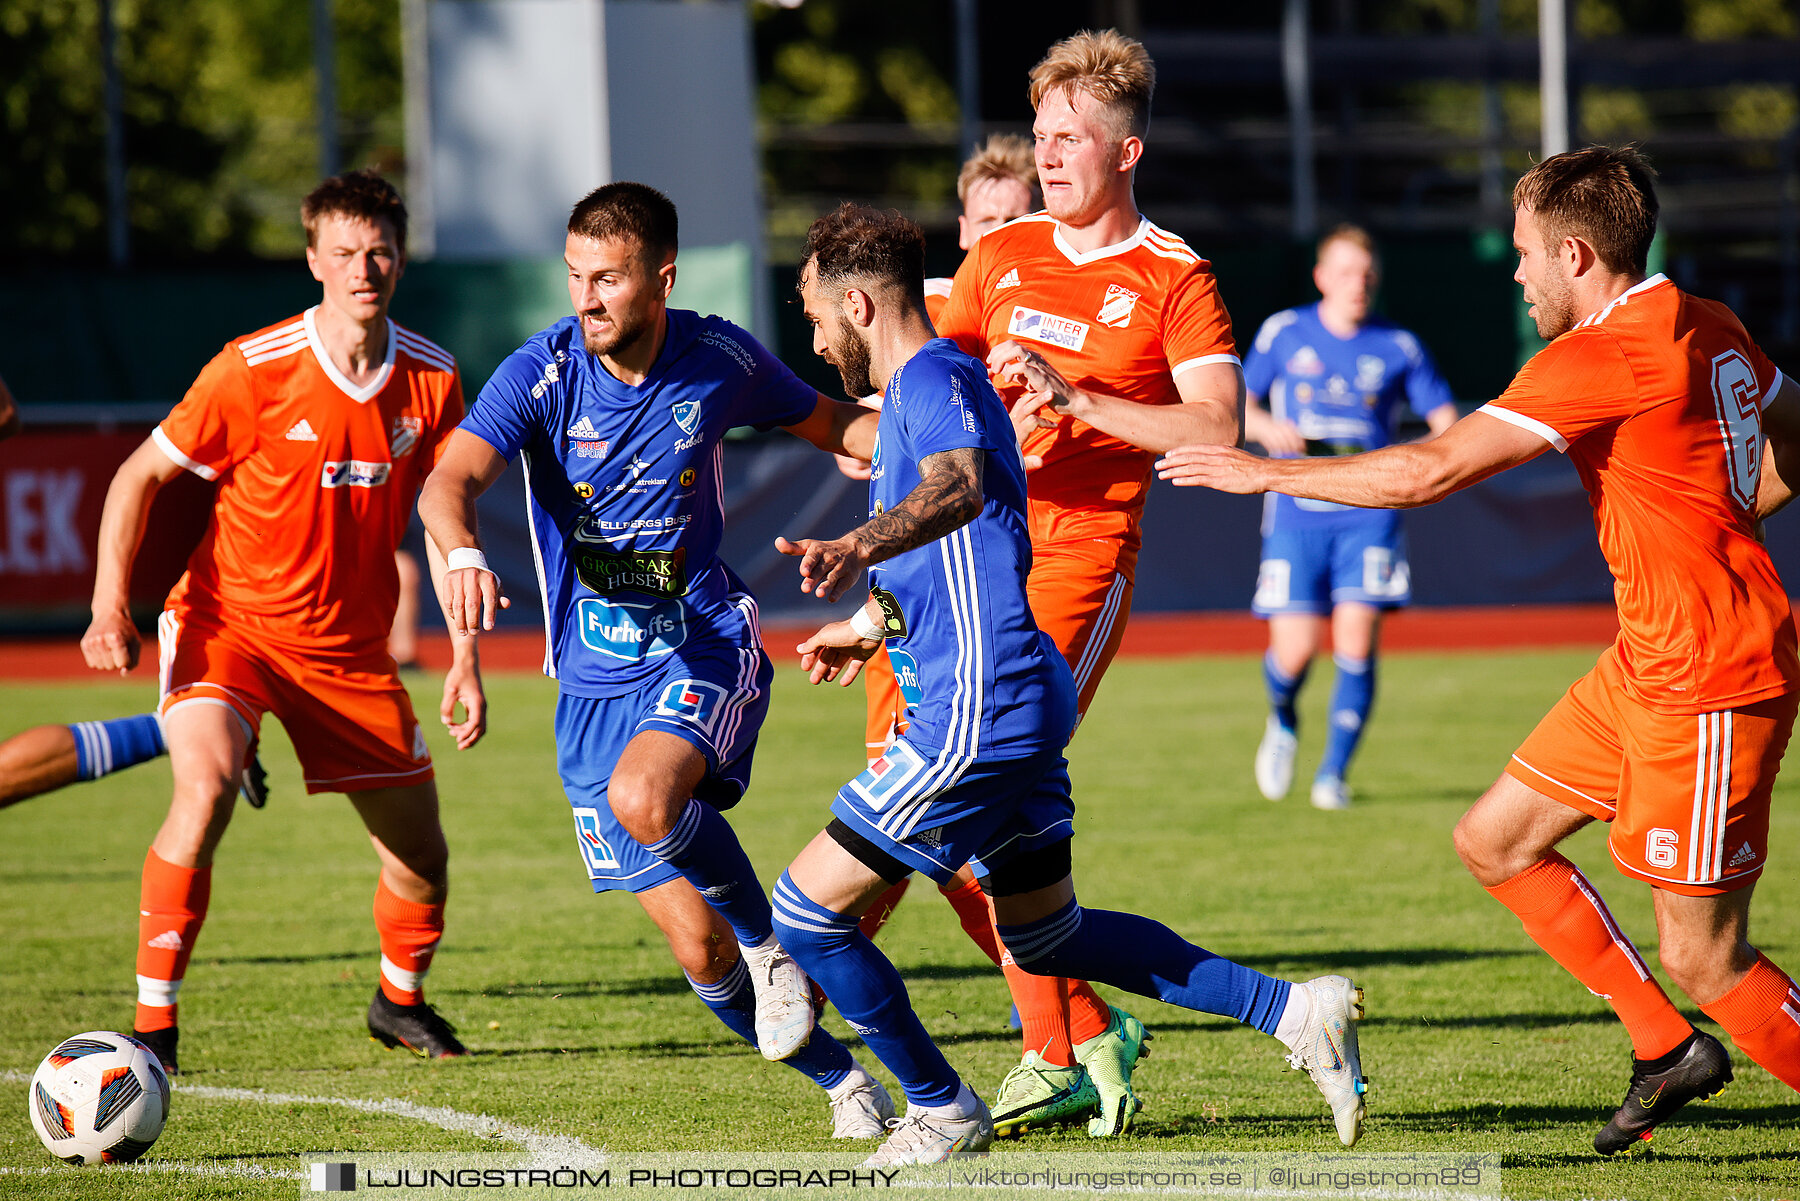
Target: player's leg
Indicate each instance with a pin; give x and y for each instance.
(1293, 641)
(1080, 595)
(703, 945)
(1293, 594)
(818, 902)
(1507, 840)
(1048, 931)
(1355, 631)
(207, 740)
(410, 894)
(688, 758)
(1705, 947)
(45, 758)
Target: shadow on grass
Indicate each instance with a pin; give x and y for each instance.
(543, 990)
(1496, 1115)
(1483, 1021)
(323, 957)
(1353, 960)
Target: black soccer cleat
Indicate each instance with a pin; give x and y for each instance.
(253, 785)
(1702, 1069)
(418, 1028)
(163, 1043)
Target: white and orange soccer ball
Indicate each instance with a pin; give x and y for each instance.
(99, 1097)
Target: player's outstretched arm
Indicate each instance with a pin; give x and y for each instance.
(470, 592)
(1211, 408)
(1781, 450)
(1394, 477)
(840, 427)
(838, 651)
(948, 496)
(111, 641)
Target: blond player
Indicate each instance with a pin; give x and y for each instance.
(1110, 343)
(319, 430)
(1685, 436)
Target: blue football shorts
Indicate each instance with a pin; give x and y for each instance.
(935, 813)
(1360, 558)
(714, 696)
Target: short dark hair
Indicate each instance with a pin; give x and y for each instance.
(1604, 195)
(626, 210)
(360, 194)
(874, 246)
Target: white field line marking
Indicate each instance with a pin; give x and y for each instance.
(554, 1148)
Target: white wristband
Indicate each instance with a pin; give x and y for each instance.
(864, 626)
(467, 556)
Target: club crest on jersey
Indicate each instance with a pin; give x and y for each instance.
(354, 473)
(631, 632)
(1047, 327)
(694, 702)
(1305, 361)
(596, 852)
(686, 414)
(1115, 310)
(405, 435)
(886, 778)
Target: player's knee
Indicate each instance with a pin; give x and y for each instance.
(1705, 968)
(1479, 851)
(705, 959)
(644, 807)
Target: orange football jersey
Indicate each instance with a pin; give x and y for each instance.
(1123, 320)
(937, 294)
(1657, 400)
(317, 480)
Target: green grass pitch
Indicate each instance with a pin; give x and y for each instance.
(583, 1027)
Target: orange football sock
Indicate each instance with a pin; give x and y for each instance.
(171, 908)
(1563, 913)
(409, 935)
(1043, 1004)
(1089, 1016)
(1762, 1015)
(883, 908)
(971, 908)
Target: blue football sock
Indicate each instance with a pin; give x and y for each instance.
(705, 850)
(1352, 696)
(823, 1060)
(1147, 958)
(867, 991)
(1282, 691)
(104, 747)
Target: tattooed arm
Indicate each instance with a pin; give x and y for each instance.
(947, 498)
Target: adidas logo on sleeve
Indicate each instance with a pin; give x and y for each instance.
(1009, 280)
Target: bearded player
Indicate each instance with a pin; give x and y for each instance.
(1685, 436)
(320, 431)
(1110, 342)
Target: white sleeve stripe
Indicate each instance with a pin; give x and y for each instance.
(178, 458)
(439, 360)
(1527, 423)
(1774, 387)
(249, 344)
(1203, 361)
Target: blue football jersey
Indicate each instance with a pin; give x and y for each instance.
(981, 680)
(624, 491)
(1344, 394)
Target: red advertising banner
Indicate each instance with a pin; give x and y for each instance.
(52, 489)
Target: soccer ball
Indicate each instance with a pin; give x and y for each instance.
(99, 1097)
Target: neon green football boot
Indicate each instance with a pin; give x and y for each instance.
(1109, 1058)
(1037, 1094)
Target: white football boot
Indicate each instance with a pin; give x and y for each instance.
(1326, 1050)
(1330, 792)
(1275, 760)
(784, 1005)
(860, 1105)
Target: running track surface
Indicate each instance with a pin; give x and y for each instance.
(1503, 627)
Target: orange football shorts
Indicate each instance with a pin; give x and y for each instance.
(351, 721)
(1687, 794)
(1080, 593)
(887, 708)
